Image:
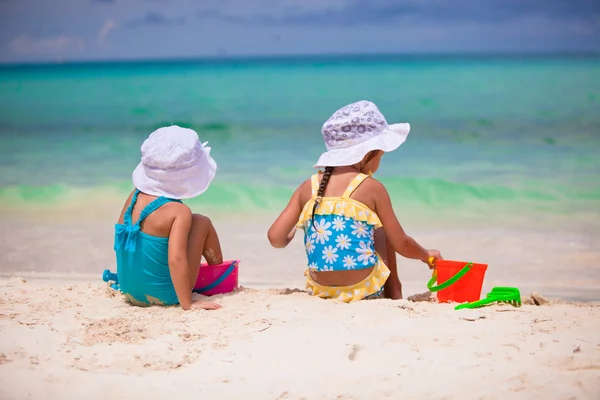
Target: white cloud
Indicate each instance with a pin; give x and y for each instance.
(26, 44)
(108, 27)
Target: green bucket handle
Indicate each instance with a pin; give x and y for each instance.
(449, 282)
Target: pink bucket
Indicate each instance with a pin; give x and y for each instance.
(217, 279)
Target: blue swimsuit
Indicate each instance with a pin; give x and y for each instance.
(143, 260)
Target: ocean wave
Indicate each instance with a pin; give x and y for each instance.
(427, 193)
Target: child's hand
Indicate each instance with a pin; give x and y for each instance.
(204, 305)
(432, 256)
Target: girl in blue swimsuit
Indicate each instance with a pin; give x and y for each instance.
(159, 243)
(351, 234)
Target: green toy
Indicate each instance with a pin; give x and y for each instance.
(508, 295)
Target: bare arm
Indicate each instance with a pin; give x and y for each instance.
(403, 244)
(178, 262)
(282, 231)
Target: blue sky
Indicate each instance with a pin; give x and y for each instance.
(47, 30)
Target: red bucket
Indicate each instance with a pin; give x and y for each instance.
(457, 281)
(217, 279)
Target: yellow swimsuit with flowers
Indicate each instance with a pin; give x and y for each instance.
(341, 239)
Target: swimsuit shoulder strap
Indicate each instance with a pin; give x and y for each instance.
(127, 215)
(355, 183)
(127, 233)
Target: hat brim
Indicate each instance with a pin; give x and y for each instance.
(172, 185)
(387, 141)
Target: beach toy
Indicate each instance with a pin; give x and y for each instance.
(508, 295)
(458, 281)
(217, 279)
(110, 276)
(107, 275)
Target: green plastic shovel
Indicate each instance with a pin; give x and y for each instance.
(499, 294)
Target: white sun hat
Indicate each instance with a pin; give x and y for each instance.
(355, 130)
(174, 164)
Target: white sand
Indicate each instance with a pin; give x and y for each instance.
(80, 341)
(62, 337)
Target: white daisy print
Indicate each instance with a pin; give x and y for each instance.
(313, 265)
(326, 268)
(360, 229)
(366, 254)
(329, 254)
(349, 262)
(339, 224)
(310, 245)
(343, 241)
(321, 233)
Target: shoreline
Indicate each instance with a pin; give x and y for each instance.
(419, 219)
(562, 264)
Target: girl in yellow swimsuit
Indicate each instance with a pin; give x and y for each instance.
(351, 233)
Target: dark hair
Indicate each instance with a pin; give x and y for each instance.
(321, 191)
(370, 155)
(325, 180)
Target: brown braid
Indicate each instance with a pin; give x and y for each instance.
(321, 191)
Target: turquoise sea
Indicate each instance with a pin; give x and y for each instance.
(516, 135)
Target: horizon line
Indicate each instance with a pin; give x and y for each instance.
(300, 57)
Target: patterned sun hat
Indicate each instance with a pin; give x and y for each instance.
(355, 130)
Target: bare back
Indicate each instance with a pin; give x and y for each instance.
(337, 185)
(160, 222)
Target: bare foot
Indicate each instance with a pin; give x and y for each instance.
(205, 305)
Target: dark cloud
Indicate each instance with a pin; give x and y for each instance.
(154, 18)
(373, 12)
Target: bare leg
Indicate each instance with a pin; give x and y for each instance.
(202, 241)
(393, 287)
